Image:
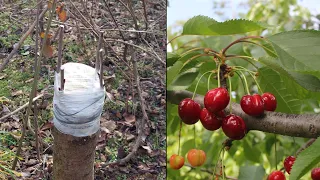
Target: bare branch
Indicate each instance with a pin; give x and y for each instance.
(302, 125)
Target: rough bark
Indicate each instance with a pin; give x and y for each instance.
(302, 125)
(73, 156)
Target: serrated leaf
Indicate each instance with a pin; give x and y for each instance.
(305, 161)
(307, 81)
(173, 71)
(271, 81)
(184, 80)
(203, 25)
(251, 173)
(172, 58)
(298, 50)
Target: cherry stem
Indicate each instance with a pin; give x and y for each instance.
(179, 137)
(239, 40)
(241, 80)
(242, 68)
(244, 58)
(174, 38)
(209, 81)
(215, 166)
(252, 75)
(222, 164)
(262, 46)
(295, 144)
(230, 93)
(254, 78)
(218, 75)
(275, 150)
(194, 57)
(195, 89)
(246, 83)
(194, 136)
(190, 50)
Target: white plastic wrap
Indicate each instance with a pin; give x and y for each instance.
(77, 109)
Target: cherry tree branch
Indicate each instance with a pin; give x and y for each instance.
(295, 125)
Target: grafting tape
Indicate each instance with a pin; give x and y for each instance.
(77, 108)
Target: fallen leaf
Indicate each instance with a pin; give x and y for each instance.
(3, 76)
(46, 126)
(17, 93)
(110, 125)
(47, 51)
(130, 118)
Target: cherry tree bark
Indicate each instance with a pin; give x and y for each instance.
(73, 156)
(295, 125)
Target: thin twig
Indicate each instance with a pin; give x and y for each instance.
(36, 127)
(20, 108)
(145, 12)
(114, 20)
(140, 127)
(101, 68)
(98, 60)
(34, 89)
(60, 48)
(307, 144)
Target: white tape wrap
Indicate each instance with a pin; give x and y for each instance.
(77, 109)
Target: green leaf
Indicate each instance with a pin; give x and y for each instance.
(251, 173)
(173, 71)
(189, 144)
(250, 152)
(172, 58)
(271, 81)
(203, 25)
(184, 80)
(306, 160)
(307, 81)
(298, 50)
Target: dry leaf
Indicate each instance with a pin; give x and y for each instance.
(47, 51)
(17, 93)
(130, 118)
(61, 13)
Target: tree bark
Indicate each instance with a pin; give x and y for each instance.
(295, 125)
(73, 157)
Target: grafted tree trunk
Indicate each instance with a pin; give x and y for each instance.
(73, 157)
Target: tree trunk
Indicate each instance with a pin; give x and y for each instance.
(73, 157)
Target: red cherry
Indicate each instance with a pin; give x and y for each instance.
(209, 120)
(315, 174)
(176, 161)
(270, 101)
(189, 111)
(288, 162)
(252, 105)
(234, 127)
(216, 99)
(277, 175)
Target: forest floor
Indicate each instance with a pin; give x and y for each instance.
(122, 110)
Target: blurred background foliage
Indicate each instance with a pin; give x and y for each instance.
(255, 153)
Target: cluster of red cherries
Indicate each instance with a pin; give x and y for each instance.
(213, 117)
(288, 163)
